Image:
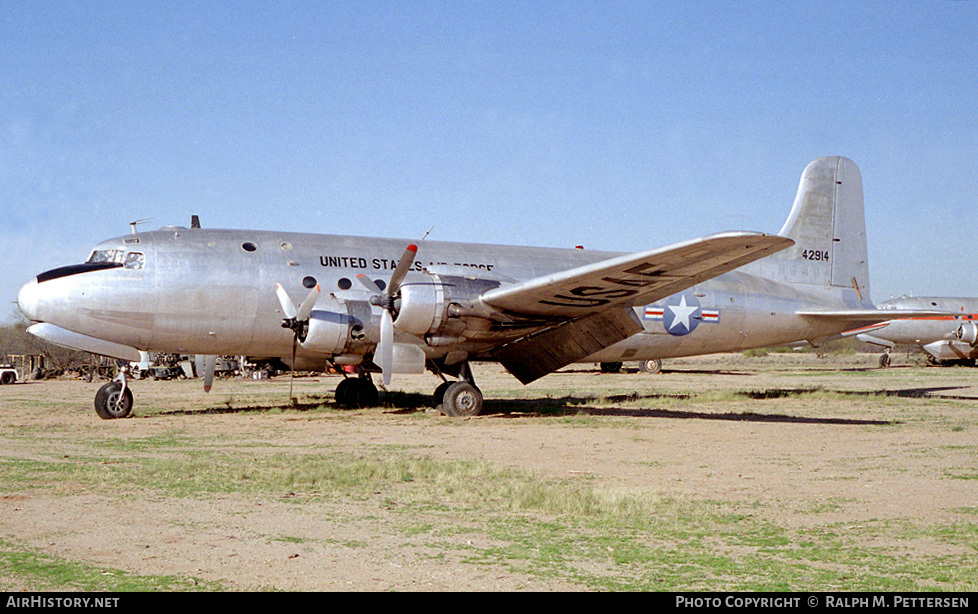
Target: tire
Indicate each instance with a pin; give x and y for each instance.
(884, 361)
(356, 392)
(8, 377)
(343, 392)
(439, 396)
(363, 395)
(112, 402)
(652, 366)
(462, 400)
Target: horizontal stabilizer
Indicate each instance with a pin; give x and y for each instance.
(876, 315)
(872, 316)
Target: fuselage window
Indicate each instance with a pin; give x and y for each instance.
(249, 246)
(134, 260)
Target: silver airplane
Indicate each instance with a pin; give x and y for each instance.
(391, 306)
(949, 338)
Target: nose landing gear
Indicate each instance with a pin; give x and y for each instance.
(114, 400)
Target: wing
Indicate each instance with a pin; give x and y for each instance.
(591, 306)
(633, 279)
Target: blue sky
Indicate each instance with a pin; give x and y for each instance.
(613, 125)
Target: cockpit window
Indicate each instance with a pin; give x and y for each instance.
(134, 260)
(113, 256)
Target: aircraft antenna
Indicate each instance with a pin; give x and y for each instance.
(427, 233)
(133, 224)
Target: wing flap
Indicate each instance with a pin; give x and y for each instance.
(633, 279)
(543, 352)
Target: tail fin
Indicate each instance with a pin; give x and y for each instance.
(828, 225)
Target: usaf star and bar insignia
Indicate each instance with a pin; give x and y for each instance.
(680, 315)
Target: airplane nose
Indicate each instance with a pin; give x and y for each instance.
(27, 300)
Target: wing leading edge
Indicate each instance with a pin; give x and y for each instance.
(633, 279)
(591, 306)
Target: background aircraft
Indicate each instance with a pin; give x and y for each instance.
(390, 306)
(949, 338)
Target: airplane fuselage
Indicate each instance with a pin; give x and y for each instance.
(211, 291)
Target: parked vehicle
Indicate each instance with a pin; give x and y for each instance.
(8, 375)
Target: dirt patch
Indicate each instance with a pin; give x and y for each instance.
(799, 440)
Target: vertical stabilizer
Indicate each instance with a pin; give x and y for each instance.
(828, 225)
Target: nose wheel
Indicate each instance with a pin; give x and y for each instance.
(113, 400)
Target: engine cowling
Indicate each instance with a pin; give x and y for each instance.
(328, 332)
(425, 307)
(422, 308)
(968, 333)
(330, 329)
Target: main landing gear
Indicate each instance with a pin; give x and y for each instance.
(460, 398)
(357, 392)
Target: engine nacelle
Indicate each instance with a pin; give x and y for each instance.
(331, 328)
(422, 308)
(968, 332)
(425, 307)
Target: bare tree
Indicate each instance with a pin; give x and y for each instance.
(14, 340)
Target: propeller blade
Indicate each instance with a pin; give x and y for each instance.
(369, 284)
(210, 362)
(288, 308)
(305, 309)
(403, 266)
(386, 346)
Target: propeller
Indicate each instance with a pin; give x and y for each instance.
(385, 299)
(296, 319)
(209, 362)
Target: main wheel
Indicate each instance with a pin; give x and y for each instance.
(357, 392)
(112, 402)
(650, 366)
(884, 361)
(439, 396)
(364, 394)
(462, 399)
(342, 391)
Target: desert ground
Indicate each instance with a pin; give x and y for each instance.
(782, 472)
